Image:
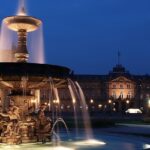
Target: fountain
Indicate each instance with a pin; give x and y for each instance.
(23, 85)
(20, 89)
(30, 105)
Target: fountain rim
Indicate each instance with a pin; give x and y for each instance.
(18, 22)
(33, 69)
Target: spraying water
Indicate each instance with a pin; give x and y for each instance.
(21, 8)
(63, 122)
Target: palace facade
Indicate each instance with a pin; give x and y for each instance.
(116, 91)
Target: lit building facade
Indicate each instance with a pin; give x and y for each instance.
(117, 91)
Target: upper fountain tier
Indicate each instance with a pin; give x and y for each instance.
(22, 24)
(26, 23)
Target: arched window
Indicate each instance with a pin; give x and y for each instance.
(129, 95)
(121, 95)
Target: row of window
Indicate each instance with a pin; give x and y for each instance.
(114, 95)
(121, 86)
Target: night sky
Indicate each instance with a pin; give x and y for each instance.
(85, 35)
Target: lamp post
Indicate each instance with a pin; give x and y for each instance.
(127, 104)
(92, 104)
(109, 104)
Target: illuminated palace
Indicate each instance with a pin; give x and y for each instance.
(117, 91)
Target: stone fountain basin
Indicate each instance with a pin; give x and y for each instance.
(14, 75)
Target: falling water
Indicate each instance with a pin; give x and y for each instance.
(86, 118)
(36, 46)
(7, 39)
(74, 105)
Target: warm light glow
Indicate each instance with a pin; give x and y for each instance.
(149, 103)
(91, 101)
(57, 101)
(54, 101)
(100, 106)
(90, 142)
(127, 101)
(74, 101)
(109, 101)
(33, 100)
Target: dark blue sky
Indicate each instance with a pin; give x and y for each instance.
(85, 35)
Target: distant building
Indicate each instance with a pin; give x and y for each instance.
(117, 91)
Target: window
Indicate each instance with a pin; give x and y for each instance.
(121, 86)
(114, 86)
(121, 95)
(128, 86)
(129, 95)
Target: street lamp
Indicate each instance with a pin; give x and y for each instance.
(109, 105)
(91, 101)
(100, 106)
(109, 101)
